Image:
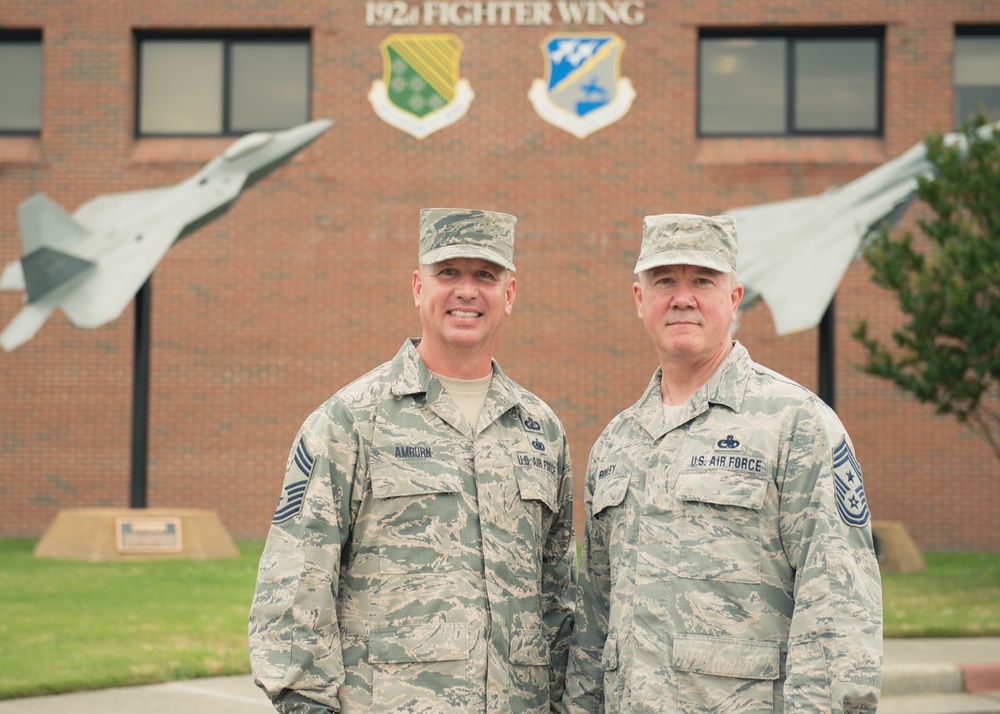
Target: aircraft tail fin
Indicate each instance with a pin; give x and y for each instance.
(48, 235)
(46, 269)
(43, 222)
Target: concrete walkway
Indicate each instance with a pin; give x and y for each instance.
(218, 695)
(922, 676)
(941, 676)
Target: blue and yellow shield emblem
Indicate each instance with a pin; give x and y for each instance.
(420, 91)
(583, 89)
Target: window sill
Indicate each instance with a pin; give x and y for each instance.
(784, 150)
(178, 150)
(20, 150)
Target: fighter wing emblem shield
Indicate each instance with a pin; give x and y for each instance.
(583, 90)
(420, 91)
(851, 501)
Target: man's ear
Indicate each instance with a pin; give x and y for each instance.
(737, 297)
(511, 293)
(417, 287)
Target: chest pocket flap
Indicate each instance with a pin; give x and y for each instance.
(722, 489)
(436, 642)
(413, 478)
(610, 492)
(727, 656)
(536, 485)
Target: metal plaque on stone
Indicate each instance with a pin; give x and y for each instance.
(148, 535)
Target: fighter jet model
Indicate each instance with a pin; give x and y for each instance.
(92, 263)
(794, 253)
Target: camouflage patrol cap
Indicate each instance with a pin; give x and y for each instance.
(465, 233)
(686, 239)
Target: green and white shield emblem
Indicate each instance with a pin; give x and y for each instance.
(420, 91)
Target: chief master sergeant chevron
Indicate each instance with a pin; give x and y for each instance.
(727, 558)
(421, 555)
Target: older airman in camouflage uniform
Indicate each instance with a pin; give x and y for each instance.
(727, 560)
(420, 559)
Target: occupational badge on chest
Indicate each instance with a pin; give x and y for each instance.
(729, 443)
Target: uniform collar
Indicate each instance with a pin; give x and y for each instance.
(727, 387)
(408, 375)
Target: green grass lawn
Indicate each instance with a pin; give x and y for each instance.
(958, 595)
(73, 625)
(70, 625)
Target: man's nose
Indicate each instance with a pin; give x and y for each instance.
(683, 296)
(467, 287)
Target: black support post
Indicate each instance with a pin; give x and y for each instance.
(827, 355)
(140, 394)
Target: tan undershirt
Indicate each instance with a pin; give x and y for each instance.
(469, 395)
(670, 411)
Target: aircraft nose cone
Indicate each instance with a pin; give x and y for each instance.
(314, 128)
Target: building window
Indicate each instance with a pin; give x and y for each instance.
(198, 85)
(977, 72)
(773, 83)
(20, 82)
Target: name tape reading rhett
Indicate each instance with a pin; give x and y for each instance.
(464, 13)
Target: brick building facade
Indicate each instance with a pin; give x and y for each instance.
(305, 284)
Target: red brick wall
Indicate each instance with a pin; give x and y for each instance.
(304, 284)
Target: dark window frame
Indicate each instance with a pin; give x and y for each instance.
(790, 36)
(970, 31)
(987, 30)
(228, 38)
(25, 35)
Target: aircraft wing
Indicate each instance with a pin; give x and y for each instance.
(116, 207)
(118, 276)
(26, 323)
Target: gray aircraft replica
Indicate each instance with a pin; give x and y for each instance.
(92, 263)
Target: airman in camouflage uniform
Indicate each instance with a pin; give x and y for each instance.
(728, 563)
(421, 556)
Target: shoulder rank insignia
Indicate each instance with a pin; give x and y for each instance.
(293, 491)
(851, 501)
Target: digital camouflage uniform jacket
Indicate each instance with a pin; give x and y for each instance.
(413, 566)
(727, 560)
